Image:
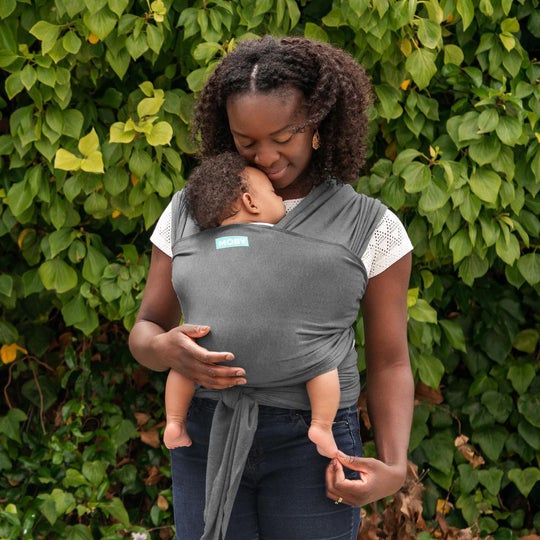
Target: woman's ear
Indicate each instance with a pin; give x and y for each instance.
(249, 203)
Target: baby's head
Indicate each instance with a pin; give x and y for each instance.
(225, 189)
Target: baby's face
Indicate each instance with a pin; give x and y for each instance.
(269, 202)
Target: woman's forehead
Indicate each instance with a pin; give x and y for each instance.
(273, 112)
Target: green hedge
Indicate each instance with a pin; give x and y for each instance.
(95, 106)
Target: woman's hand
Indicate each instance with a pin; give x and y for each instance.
(200, 365)
(377, 480)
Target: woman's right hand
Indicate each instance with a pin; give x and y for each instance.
(202, 366)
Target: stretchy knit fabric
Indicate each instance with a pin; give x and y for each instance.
(284, 300)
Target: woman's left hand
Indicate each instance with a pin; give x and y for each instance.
(377, 480)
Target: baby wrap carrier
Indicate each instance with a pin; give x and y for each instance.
(284, 300)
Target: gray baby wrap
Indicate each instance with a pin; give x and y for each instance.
(284, 300)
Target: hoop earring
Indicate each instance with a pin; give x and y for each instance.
(316, 141)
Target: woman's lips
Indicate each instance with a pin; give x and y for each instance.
(276, 175)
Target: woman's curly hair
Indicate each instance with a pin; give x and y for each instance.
(337, 92)
(214, 186)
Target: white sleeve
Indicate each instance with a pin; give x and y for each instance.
(388, 244)
(161, 237)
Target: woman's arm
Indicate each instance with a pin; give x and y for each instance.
(390, 392)
(159, 343)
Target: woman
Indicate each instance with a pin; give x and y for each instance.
(297, 110)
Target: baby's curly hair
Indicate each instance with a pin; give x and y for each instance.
(213, 187)
(337, 91)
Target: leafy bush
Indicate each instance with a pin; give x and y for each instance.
(94, 139)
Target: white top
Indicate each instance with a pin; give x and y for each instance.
(387, 245)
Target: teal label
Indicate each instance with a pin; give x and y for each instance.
(232, 242)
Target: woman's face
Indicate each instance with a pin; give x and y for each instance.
(265, 129)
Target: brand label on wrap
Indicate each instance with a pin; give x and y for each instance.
(232, 242)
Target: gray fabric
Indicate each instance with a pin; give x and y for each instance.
(284, 300)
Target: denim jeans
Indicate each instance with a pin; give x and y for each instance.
(282, 492)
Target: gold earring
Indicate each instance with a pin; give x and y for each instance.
(316, 141)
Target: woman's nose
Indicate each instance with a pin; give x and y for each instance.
(265, 157)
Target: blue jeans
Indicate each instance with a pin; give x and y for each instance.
(282, 493)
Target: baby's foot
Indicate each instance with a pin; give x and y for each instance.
(321, 435)
(176, 435)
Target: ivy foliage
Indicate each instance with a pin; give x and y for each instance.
(95, 105)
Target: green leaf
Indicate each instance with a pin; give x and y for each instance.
(10, 423)
(430, 369)
(509, 130)
(421, 65)
(472, 268)
(119, 133)
(529, 407)
(466, 9)
(421, 311)
(485, 150)
(20, 197)
(314, 31)
(485, 184)
(136, 47)
(100, 23)
(89, 143)
(154, 38)
(521, 376)
(529, 267)
(28, 76)
(161, 134)
(93, 163)
(429, 33)
(74, 311)
(454, 333)
(93, 266)
(524, 479)
(453, 54)
(6, 284)
(66, 161)
(71, 42)
(491, 441)
(59, 241)
(461, 245)
(72, 123)
(57, 275)
(507, 248)
(149, 106)
(94, 472)
(14, 85)
(417, 177)
(115, 507)
(47, 33)
(389, 106)
(74, 478)
(527, 340)
(491, 479)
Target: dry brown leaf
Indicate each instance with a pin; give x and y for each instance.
(142, 418)
(162, 503)
(151, 438)
(468, 451)
(423, 392)
(154, 476)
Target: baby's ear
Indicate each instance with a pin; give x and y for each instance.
(249, 203)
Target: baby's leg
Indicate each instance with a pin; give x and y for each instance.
(178, 394)
(324, 394)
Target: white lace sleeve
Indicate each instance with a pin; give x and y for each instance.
(161, 237)
(388, 244)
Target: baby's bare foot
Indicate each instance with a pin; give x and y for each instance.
(321, 435)
(176, 435)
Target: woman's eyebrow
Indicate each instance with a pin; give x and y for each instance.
(289, 127)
